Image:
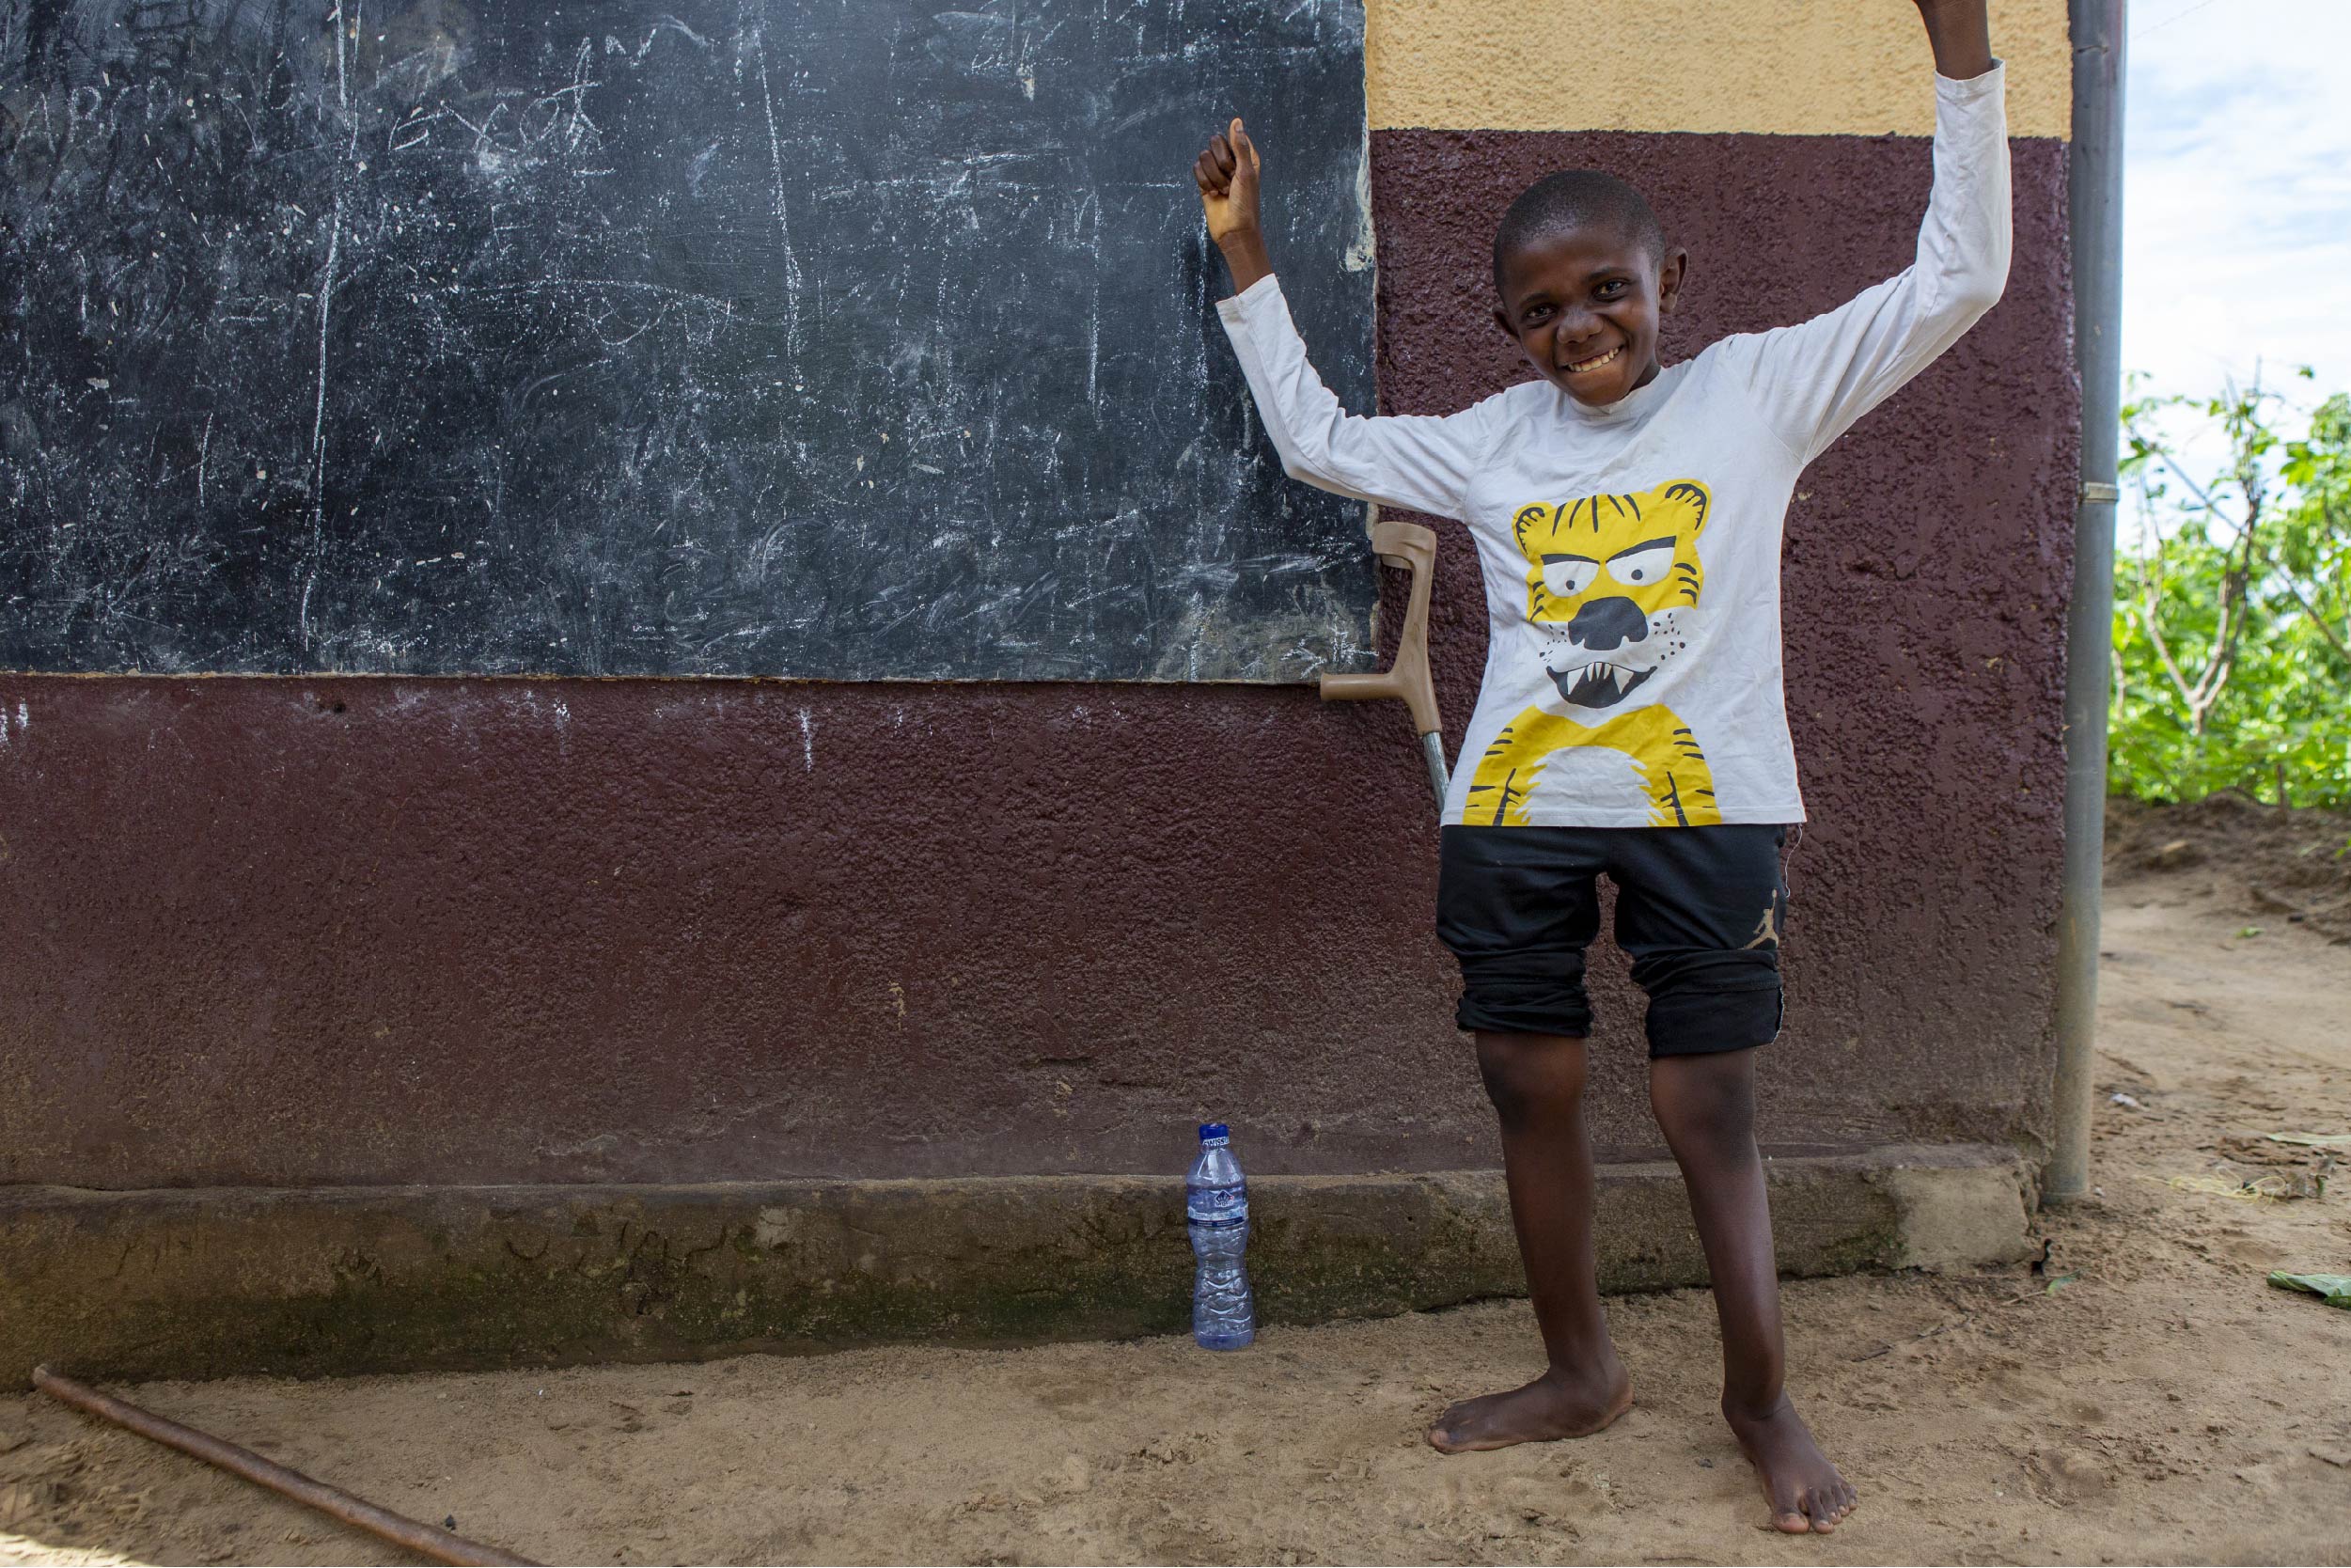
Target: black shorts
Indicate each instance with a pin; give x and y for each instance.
(1698, 911)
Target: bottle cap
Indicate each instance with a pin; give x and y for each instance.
(1213, 1131)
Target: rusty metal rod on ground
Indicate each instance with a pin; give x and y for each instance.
(427, 1539)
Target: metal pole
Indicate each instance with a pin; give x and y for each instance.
(1433, 753)
(425, 1539)
(2095, 213)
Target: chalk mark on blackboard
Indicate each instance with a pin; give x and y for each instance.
(318, 425)
(783, 225)
(343, 79)
(1093, 310)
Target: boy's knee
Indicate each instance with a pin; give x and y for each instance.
(1705, 1101)
(1530, 1078)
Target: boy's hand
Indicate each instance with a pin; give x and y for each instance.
(1960, 32)
(1227, 174)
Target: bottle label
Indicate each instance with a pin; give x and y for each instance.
(1216, 1206)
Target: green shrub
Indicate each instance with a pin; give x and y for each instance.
(2233, 601)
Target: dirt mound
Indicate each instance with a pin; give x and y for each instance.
(2273, 863)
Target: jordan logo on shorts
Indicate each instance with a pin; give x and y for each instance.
(1767, 928)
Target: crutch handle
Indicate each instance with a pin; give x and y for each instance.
(1413, 547)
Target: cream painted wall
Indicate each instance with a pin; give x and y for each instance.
(1797, 66)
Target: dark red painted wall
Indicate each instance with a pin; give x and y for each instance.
(365, 931)
(325, 932)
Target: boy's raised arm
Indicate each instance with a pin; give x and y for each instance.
(1417, 462)
(1961, 33)
(1813, 381)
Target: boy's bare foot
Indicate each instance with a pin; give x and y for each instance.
(1804, 1488)
(1556, 1405)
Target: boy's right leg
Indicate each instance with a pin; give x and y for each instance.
(1536, 1082)
(1517, 906)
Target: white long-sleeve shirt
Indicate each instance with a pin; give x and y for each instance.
(1631, 552)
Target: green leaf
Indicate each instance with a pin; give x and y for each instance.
(2334, 1289)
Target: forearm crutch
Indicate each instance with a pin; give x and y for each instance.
(1413, 547)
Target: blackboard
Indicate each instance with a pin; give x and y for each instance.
(832, 338)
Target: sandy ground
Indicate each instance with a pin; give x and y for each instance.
(2142, 1395)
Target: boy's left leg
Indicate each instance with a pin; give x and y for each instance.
(1700, 910)
(1706, 1105)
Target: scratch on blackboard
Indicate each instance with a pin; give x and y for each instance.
(783, 226)
(481, 132)
(418, 122)
(546, 284)
(1093, 313)
(342, 83)
(203, 455)
(318, 426)
(666, 24)
(577, 92)
(358, 23)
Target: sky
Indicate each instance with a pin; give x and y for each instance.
(2236, 200)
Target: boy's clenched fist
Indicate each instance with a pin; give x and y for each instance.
(1227, 174)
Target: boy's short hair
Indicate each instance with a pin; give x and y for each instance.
(1576, 198)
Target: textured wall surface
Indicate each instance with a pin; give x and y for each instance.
(1833, 67)
(286, 931)
(259, 931)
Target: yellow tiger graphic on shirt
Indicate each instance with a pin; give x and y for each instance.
(1619, 575)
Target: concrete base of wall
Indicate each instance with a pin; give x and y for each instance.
(198, 1283)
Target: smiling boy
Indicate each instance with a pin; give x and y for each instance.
(1628, 516)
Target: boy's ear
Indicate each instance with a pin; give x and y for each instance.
(1504, 322)
(1671, 276)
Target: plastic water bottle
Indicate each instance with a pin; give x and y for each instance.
(1217, 1202)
